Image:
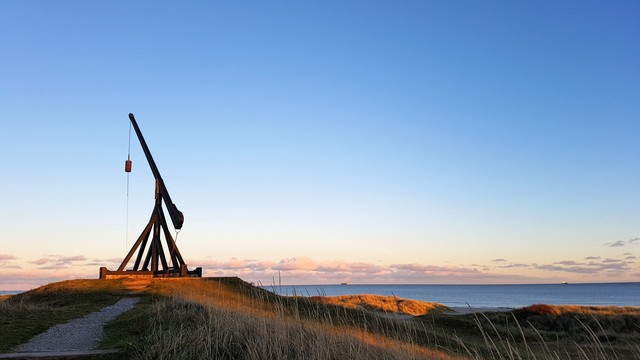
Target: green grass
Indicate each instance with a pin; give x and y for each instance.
(128, 327)
(25, 315)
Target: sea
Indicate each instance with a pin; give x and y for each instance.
(479, 296)
(486, 296)
(9, 292)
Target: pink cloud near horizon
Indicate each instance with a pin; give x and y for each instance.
(305, 270)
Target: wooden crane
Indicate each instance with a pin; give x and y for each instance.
(152, 259)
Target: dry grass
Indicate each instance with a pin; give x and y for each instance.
(230, 319)
(388, 304)
(183, 330)
(544, 331)
(545, 309)
(227, 318)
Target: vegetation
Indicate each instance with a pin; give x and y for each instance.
(230, 319)
(25, 315)
(387, 304)
(227, 318)
(546, 332)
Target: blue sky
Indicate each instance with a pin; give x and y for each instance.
(371, 142)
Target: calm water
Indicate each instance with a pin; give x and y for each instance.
(9, 292)
(618, 294)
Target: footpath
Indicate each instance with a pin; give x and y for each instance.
(76, 338)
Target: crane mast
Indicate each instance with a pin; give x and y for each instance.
(176, 215)
(152, 259)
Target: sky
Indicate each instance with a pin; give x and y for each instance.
(413, 142)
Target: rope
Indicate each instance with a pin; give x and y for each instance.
(126, 239)
(177, 232)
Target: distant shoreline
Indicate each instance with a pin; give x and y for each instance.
(14, 292)
(420, 284)
(11, 292)
(461, 310)
(485, 296)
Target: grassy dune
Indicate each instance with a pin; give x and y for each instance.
(387, 304)
(545, 309)
(230, 319)
(227, 318)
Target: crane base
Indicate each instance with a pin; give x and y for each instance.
(182, 272)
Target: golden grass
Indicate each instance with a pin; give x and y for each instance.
(220, 332)
(229, 319)
(388, 304)
(545, 309)
(85, 286)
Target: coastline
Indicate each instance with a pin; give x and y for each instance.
(484, 296)
(232, 306)
(461, 310)
(11, 292)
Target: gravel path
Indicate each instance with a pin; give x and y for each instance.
(79, 334)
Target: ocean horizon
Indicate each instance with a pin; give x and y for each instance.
(475, 295)
(484, 295)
